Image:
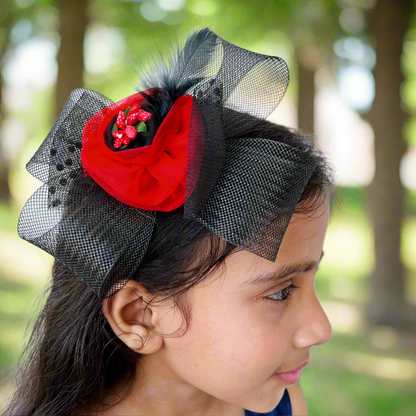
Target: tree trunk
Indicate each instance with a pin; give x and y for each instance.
(306, 92)
(5, 25)
(387, 305)
(73, 18)
(5, 194)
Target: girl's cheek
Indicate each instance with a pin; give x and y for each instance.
(266, 311)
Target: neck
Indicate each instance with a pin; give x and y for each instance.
(159, 392)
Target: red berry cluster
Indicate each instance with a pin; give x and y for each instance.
(130, 122)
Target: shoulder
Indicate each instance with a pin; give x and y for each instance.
(297, 400)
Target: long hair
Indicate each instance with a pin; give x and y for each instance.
(73, 358)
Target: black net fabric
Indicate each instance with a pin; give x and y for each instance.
(243, 190)
(71, 217)
(230, 79)
(256, 194)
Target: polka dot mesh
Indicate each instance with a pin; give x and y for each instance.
(71, 217)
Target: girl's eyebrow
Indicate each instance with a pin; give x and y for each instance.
(283, 271)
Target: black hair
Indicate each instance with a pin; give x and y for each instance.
(72, 358)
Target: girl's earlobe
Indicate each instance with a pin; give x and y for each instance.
(130, 316)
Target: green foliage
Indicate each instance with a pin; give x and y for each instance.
(352, 198)
(410, 202)
(8, 218)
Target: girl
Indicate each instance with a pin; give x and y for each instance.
(187, 231)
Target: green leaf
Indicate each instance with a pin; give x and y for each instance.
(141, 127)
(115, 128)
(126, 111)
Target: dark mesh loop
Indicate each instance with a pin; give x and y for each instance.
(256, 194)
(230, 79)
(250, 82)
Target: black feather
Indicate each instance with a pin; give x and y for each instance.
(188, 66)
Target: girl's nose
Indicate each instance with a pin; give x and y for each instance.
(314, 327)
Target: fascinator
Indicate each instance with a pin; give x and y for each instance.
(108, 167)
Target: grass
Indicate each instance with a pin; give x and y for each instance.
(361, 370)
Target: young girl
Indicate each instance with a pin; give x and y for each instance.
(187, 231)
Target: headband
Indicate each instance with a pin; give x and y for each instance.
(108, 167)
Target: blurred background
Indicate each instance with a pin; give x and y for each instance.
(352, 85)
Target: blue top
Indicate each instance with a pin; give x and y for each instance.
(283, 408)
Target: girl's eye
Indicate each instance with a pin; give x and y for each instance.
(283, 295)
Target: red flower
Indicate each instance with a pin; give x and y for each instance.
(151, 177)
(130, 126)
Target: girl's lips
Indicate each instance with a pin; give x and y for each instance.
(288, 378)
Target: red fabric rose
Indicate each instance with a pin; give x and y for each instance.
(151, 177)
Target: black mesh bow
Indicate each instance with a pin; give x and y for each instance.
(243, 190)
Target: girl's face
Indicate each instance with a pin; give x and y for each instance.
(239, 335)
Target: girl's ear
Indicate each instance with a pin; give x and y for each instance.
(128, 316)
